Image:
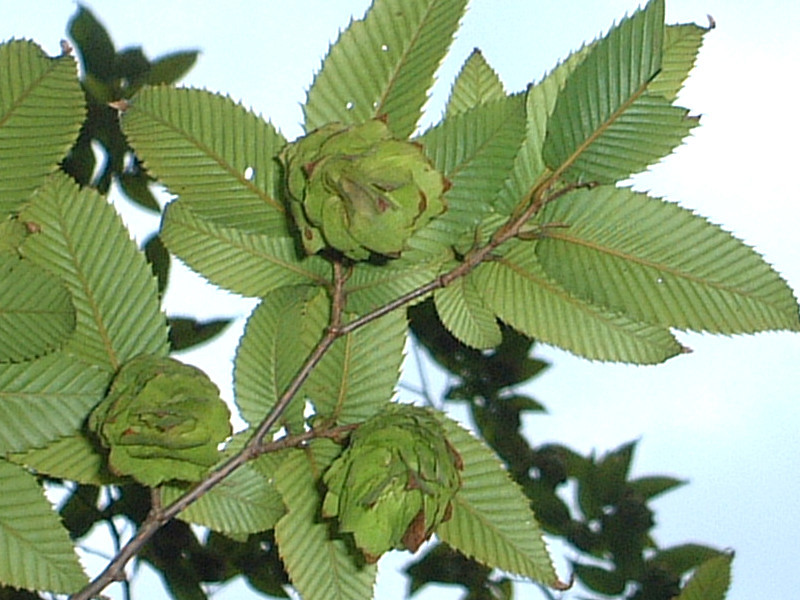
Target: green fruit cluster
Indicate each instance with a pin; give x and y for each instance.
(394, 483)
(162, 420)
(360, 191)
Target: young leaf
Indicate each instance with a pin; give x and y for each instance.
(659, 263)
(246, 502)
(605, 125)
(35, 551)
(710, 581)
(384, 64)
(214, 154)
(41, 111)
(476, 151)
(36, 311)
(464, 314)
(492, 521)
(477, 83)
(521, 293)
(358, 376)
(277, 339)
(251, 264)
(74, 457)
(321, 568)
(113, 289)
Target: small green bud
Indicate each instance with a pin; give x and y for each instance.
(393, 484)
(358, 190)
(161, 420)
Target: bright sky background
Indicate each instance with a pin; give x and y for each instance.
(724, 417)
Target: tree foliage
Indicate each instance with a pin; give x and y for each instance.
(538, 241)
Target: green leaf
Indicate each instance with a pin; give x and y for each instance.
(358, 375)
(158, 256)
(606, 125)
(476, 151)
(41, 111)
(35, 551)
(250, 264)
(685, 557)
(45, 399)
(74, 457)
(113, 290)
(657, 262)
(681, 45)
(321, 568)
(464, 314)
(650, 487)
(600, 579)
(711, 580)
(245, 502)
(384, 64)
(278, 337)
(477, 83)
(188, 333)
(214, 154)
(492, 521)
(36, 311)
(171, 67)
(94, 45)
(523, 295)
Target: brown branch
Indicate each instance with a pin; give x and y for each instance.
(158, 516)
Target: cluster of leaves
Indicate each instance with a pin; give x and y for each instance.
(537, 242)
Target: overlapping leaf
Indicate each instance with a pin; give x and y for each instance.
(522, 294)
(492, 521)
(371, 286)
(321, 568)
(41, 111)
(662, 264)
(83, 241)
(45, 399)
(477, 83)
(36, 312)
(606, 123)
(245, 502)
(35, 551)
(529, 164)
(74, 457)
(464, 314)
(278, 338)
(251, 264)
(358, 375)
(384, 64)
(213, 153)
(476, 151)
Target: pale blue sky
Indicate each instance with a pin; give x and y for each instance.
(726, 416)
